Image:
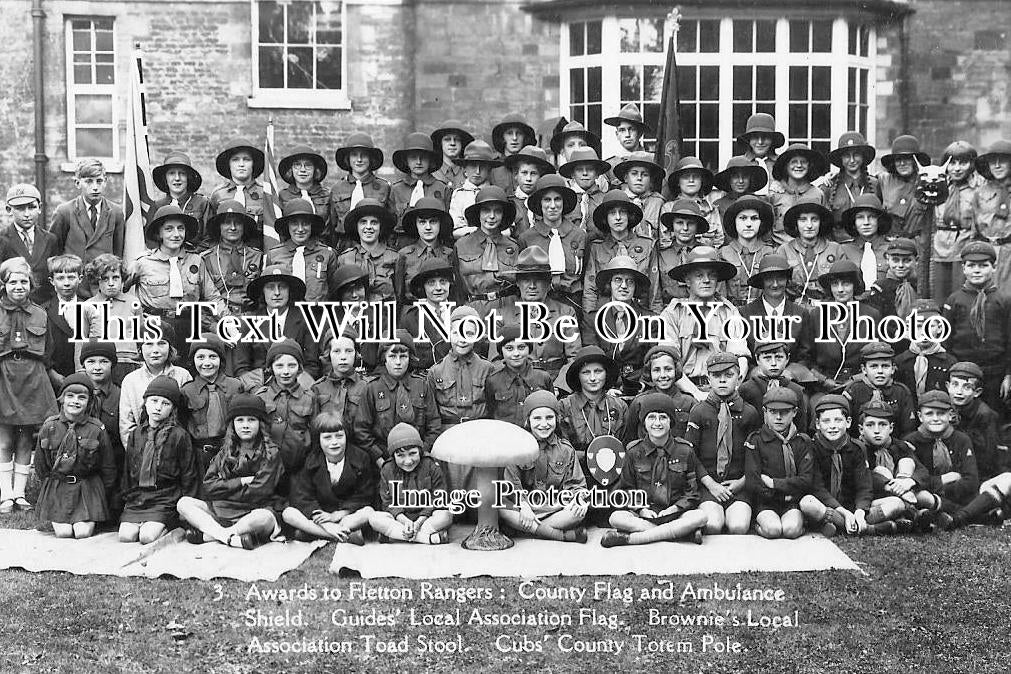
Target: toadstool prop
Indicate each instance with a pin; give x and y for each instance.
(488, 446)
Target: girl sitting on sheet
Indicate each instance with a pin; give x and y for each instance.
(240, 484)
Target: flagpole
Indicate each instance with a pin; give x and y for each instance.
(137, 186)
(272, 209)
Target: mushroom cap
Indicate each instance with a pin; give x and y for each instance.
(485, 443)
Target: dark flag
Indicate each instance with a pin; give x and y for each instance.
(668, 127)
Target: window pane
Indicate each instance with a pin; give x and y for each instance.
(821, 120)
(80, 24)
(798, 121)
(765, 36)
(593, 85)
(709, 153)
(300, 63)
(93, 109)
(689, 127)
(82, 40)
(652, 86)
(822, 146)
(821, 36)
(741, 112)
(767, 108)
(103, 23)
(852, 47)
(594, 117)
(103, 40)
(82, 74)
(851, 117)
(709, 83)
(862, 91)
(630, 83)
(299, 21)
(651, 114)
(94, 143)
(651, 35)
(578, 114)
(687, 83)
(744, 35)
(629, 30)
(821, 83)
(799, 36)
(851, 86)
(798, 83)
(593, 39)
(742, 83)
(272, 67)
(328, 23)
(765, 83)
(577, 87)
(271, 23)
(865, 36)
(328, 68)
(577, 43)
(105, 74)
(688, 149)
(688, 37)
(709, 36)
(709, 120)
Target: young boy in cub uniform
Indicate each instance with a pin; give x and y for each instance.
(897, 477)
(89, 224)
(771, 361)
(924, 367)
(27, 239)
(975, 418)
(876, 382)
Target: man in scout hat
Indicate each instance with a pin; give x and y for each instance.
(876, 381)
(231, 260)
(304, 169)
(976, 419)
(527, 167)
(582, 170)
(181, 183)
(717, 428)
(478, 162)
(551, 202)
(508, 137)
(431, 286)
(533, 278)
(702, 273)
(27, 239)
(302, 254)
(241, 164)
(772, 316)
(416, 160)
(629, 129)
(368, 227)
(430, 226)
(898, 186)
(450, 139)
(760, 141)
(360, 158)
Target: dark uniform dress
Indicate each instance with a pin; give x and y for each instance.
(193, 204)
(409, 262)
(388, 401)
(683, 404)
(506, 389)
(582, 420)
(318, 197)
(600, 252)
(764, 455)
(320, 267)
(154, 480)
(426, 477)
(26, 395)
(254, 201)
(702, 433)
(76, 466)
(232, 268)
(340, 204)
(937, 371)
(338, 395)
(229, 499)
(197, 393)
(289, 411)
(381, 266)
(667, 474)
(555, 467)
(313, 489)
(475, 286)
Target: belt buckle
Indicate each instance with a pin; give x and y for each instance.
(464, 419)
(70, 479)
(492, 296)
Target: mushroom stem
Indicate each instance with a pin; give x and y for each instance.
(486, 535)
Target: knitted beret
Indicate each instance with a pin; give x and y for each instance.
(166, 387)
(540, 399)
(286, 347)
(103, 349)
(403, 435)
(78, 379)
(247, 405)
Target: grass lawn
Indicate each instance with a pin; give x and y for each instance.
(934, 603)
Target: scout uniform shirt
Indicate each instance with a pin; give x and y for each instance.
(338, 395)
(888, 457)
(703, 434)
(555, 467)
(935, 376)
(476, 281)
(232, 268)
(506, 389)
(501, 176)
(524, 216)
(683, 404)
(766, 162)
(954, 220)
(861, 391)
(373, 187)
(388, 401)
(765, 454)
(426, 354)
(586, 202)
(681, 329)
(978, 421)
(426, 477)
(668, 257)
(992, 210)
(960, 458)
(403, 189)
(253, 199)
(573, 240)
(898, 196)
(754, 388)
(652, 206)
(841, 476)
(151, 272)
(666, 474)
(808, 263)
(737, 289)
(449, 173)
(457, 382)
(207, 416)
(600, 252)
(78, 450)
(289, 411)
(854, 250)
(320, 267)
(627, 354)
(381, 266)
(316, 195)
(993, 352)
(838, 357)
(193, 204)
(584, 419)
(551, 354)
(410, 259)
(783, 198)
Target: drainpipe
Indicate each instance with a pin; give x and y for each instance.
(904, 73)
(38, 19)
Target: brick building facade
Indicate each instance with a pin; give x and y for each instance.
(935, 68)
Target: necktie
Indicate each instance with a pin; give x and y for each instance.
(724, 440)
(835, 481)
(240, 194)
(869, 266)
(883, 459)
(26, 235)
(789, 463)
(464, 390)
(99, 403)
(405, 410)
(418, 193)
(174, 202)
(357, 194)
(942, 460)
(305, 195)
(622, 249)
(620, 324)
(175, 278)
(215, 414)
(556, 253)
(584, 205)
(298, 263)
(876, 396)
(93, 216)
(489, 261)
(920, 367)
(773, 383)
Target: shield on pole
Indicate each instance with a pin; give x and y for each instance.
(604, 458)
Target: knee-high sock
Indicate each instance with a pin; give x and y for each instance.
(6, 481)
(20, 479)
(980, 505)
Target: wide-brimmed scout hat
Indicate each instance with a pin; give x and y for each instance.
(170, 212)
(960, 149)
(690, 164)
(591, 354)
(233, 146)
(757, 176)
(479, 152)
(512, 120)
(301, 152)
(1000, 148)
(433, 268)
(904, 146)
(532, 261)
(272, 273)
(369, 207)
(616, 198)
(348, 275)
(762, 123)
(428, 207)
(843, 269)
(574, 129)
(448, 127)
(644, 159)
(584, 155)
(685, 208)
(866, 202)
(767, 266)
(530, 154)
(231, 208)
(807, 204)
(702, 257)
(765, 214)
(298, 208)
(490, 194)
(852, 140)
(817, 164)
(177, 160)
(621, 264)
(552, 182)
(629, 113)
(417, 142)
(359, 141)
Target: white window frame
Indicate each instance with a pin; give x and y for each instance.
(316, 99)
(73, 89)
(838, 59)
